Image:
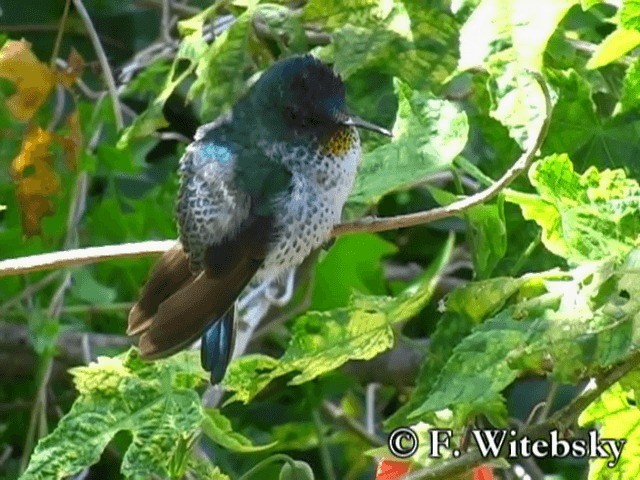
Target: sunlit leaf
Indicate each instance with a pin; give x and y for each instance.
(616, 415)
(218, 428)
(571, 330)
(428, 134)
(155, 402)
(583, 217)
(32, 78)
(617, 44)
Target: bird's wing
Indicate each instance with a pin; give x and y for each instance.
(224, 239)
(182, 317)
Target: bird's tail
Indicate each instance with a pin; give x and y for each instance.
(217, 344)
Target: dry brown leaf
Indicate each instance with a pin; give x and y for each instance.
(32, 78)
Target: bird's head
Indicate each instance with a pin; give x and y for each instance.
(302, 98)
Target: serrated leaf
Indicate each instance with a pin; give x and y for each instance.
(224, 67)
(465, 308)
(507, 38)
(323, 341)
(616, 415)
(428, 134)
(577, 326)
(285, 27)
(588, 139)
(155, 402)
(218, 428)
(191, 49)
(583, 217)
(411, 41)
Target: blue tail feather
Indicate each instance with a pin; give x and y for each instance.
(217, 346)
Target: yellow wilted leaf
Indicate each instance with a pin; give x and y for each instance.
(36, 181)
(32, 78)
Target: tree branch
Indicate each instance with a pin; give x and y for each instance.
(82, 256)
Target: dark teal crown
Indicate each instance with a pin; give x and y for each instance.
(300, 96)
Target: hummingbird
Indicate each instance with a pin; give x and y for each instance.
(260, 189)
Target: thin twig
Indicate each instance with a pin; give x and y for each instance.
(165, 21)
(56, 45)
(104, 63)
(375, 224)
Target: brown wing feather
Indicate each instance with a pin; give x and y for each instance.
(168, 275)
(181, 317)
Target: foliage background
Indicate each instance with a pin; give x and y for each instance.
(486, 313)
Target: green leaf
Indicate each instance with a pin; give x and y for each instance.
(589, 140)
(225, 66)
(617, 43)
(155, 402)
(191, 49)
(507, 38)
(570, 330)
(352, 264)
(299, 470)
(284, 26)
(630, 14)
(218, 428)
(587, 4)
(630, 98)
(409, 40)
(323, 341)
(86, 288)
(465, 308)
(583, 217)
(615, 413)
(486, 231)
(202, 468)
(515, 30)
(428, 134)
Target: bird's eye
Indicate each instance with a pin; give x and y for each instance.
(295, 117)
(291, 113)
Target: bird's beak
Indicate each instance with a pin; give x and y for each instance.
(353, 121)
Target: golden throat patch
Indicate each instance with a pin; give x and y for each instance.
(339, 143)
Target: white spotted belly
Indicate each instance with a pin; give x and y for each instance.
(310, 211)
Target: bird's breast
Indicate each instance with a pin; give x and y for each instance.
(306, 215)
